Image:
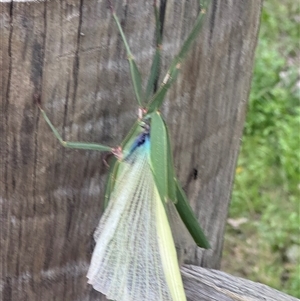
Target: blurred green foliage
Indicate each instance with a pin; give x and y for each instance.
(267, 183)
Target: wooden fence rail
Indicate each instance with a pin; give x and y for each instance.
(208, 285)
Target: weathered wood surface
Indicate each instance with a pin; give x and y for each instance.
(71, 53)
(209, 285)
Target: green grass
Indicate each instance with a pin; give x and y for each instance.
(266, 246)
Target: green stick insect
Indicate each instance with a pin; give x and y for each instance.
(135, 256)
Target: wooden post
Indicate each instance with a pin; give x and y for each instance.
(70, 53)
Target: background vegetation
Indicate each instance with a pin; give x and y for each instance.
(262, 241)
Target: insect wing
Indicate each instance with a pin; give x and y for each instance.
(189, 219)
(171, 172)
(113, 169)
(158, 154)
(167, 184)
(161, 158)
(135, 257)
(184, 242)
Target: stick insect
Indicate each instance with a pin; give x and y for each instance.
(135, 256)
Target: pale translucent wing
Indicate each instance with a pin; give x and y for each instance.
(135, 257)
(183, 240)
(168, 253)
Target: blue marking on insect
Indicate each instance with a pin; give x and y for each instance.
(141, 139)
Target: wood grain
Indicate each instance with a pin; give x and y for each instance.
(70, 53)
(209, 285)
